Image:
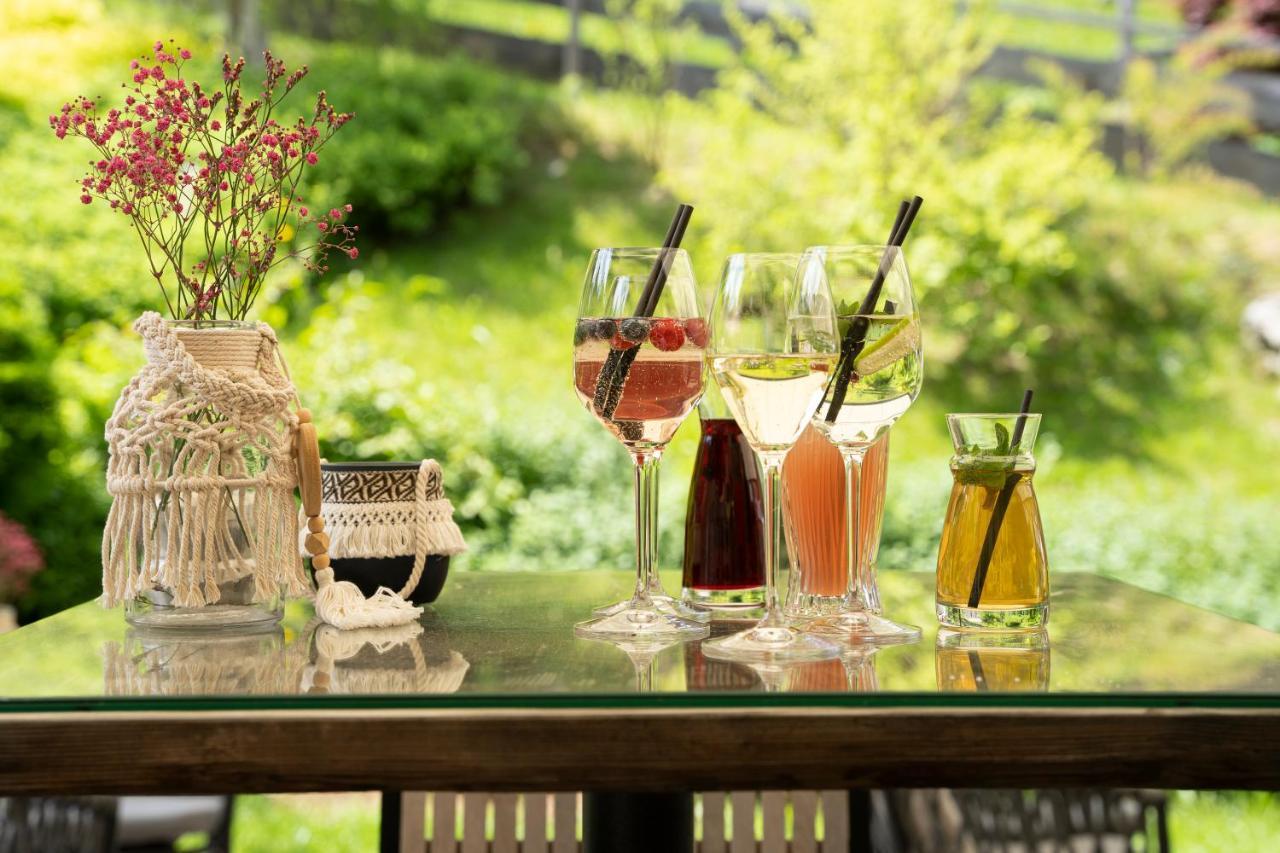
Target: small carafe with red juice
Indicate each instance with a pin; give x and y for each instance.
(724, 527)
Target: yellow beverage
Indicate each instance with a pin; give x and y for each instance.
(993, 571)
(1018, 575)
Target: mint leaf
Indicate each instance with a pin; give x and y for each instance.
(1002, 440)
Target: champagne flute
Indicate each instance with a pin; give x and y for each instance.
(885, 370)
(773, 345)
(638, 367)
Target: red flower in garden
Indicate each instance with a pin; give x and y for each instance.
(182, 161)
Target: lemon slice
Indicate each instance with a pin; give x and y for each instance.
(894, 344)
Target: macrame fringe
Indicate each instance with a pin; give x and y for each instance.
(391, 529)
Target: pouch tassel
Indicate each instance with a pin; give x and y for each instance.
(343, 605)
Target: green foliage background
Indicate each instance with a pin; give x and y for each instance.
(481, 194)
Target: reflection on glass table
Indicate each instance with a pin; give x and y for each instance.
(983, 661)
(506, 640)
(395, 659)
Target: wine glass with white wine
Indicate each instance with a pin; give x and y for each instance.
(773, 346)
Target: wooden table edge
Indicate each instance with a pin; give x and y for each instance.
(173, 752)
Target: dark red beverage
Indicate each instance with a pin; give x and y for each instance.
(724, 528)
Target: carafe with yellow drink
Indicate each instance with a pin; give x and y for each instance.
(992, 568)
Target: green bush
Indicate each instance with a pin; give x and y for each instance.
(430, 136)
(1034, 263)
(71, 276)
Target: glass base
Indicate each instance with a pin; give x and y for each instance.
(810, 605)
(861, 627)
(996, 619)
(728, 599)
(770, 644)
(239, 618)
(664, 603)
(650, 623)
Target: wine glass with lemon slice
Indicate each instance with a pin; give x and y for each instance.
(880, 374)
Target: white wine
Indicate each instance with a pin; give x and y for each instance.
(773, 396)
(887, 376)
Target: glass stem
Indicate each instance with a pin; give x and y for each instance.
(651, 532)
(771, 467)
(646, 471)
(856, 593)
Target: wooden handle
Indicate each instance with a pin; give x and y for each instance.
(309, 468)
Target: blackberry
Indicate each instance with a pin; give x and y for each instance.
(603, 329)
(582, 332)
(634, 329)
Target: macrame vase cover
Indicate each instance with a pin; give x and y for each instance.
(181, 441)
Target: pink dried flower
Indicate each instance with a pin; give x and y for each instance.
(161, 154)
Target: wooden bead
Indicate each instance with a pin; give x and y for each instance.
(320, 562)
(317, 543)
(315, 524)
(304, 416)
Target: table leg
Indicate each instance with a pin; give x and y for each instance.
(637, 823)
(860, 821)
(389, 822)
(402, 822)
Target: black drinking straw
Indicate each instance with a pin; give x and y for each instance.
(613, 374)
(855, 338)
(1001, 507)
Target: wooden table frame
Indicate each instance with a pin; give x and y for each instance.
(173, 752)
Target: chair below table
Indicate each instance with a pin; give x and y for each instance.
(799, 821)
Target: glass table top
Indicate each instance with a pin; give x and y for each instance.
(504, 640)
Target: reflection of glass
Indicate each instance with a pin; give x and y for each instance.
(637, 365)
(724, 526)
(813, 489)
(170, 663)
(704, 673)
(773, 345)
(880, 374)
(394, 659)
(853, 672)
(1016, 661)
(642, 655)
(992, 568)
